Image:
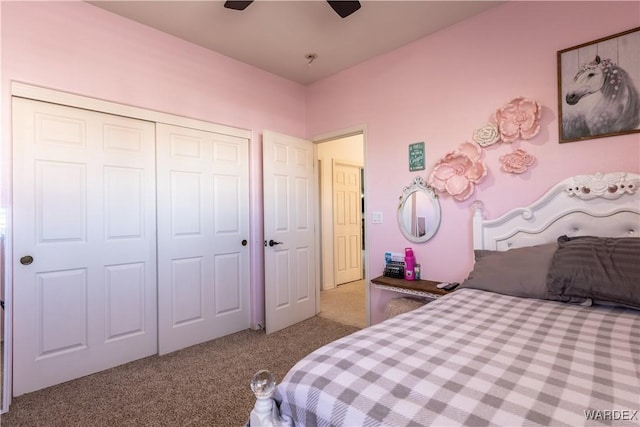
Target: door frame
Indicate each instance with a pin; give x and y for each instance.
(329, 136)
(39, 93)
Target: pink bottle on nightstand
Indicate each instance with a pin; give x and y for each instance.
(409, 264)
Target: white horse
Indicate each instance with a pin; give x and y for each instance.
(609, 101)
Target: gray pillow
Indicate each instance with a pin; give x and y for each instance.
(605, 269)
(520, 272)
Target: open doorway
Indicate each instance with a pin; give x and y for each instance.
(343, 295)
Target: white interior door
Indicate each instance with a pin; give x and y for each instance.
(347, 223)
(289, 257)
(203, 234)
(84, 243)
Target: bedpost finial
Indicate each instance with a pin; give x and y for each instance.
(477, 206)
(263, 384)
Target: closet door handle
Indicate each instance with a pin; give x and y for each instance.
(244, 242)
(273, 243)
(26, 260)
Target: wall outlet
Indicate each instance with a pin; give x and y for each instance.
(376, 217)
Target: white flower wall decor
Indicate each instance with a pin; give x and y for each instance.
(486, 135)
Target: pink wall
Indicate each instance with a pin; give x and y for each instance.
(441, 88)
(76, 47)
(438, 90)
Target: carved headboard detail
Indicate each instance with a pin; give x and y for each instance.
(609, 186)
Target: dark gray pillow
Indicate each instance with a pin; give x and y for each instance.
(520, 272)
(605, 269)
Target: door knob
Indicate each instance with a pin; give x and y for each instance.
(244, 242)
(273, 243)
(26, 260)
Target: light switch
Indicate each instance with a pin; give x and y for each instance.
(376, 217)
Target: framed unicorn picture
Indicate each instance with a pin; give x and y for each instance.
(599, 88)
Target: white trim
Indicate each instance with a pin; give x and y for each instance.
(338, 134)
(39, 93)
(6, 388)
(317, 226)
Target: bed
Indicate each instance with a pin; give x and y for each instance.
(544, 331)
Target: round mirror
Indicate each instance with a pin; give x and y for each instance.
(418, 212)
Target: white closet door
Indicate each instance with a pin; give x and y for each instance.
(203, 234)
(84, 242)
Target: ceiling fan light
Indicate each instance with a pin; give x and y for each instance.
(344, 8)
(237, 5)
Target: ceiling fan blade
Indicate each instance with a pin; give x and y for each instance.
(343, 8)
(237, 5)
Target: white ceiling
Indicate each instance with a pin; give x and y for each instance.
(276, 35)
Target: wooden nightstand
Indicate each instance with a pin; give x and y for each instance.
(424, 290)
(420, 288)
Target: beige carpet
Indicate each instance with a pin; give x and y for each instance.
(203, 385)
(345, 304)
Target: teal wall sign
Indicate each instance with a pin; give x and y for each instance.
(416, 156)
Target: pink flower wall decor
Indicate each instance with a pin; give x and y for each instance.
(517, 161)
(520, 118)
(458, 172)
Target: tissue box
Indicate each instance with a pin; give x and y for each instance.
(393, 256)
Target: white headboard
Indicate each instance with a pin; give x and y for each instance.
(596, 205)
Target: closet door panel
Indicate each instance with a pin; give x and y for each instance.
(203, 265)
(84, 212)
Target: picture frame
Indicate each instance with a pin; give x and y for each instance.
(417, 157)
(599, 88)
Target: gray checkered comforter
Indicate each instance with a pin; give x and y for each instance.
(475, 358)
